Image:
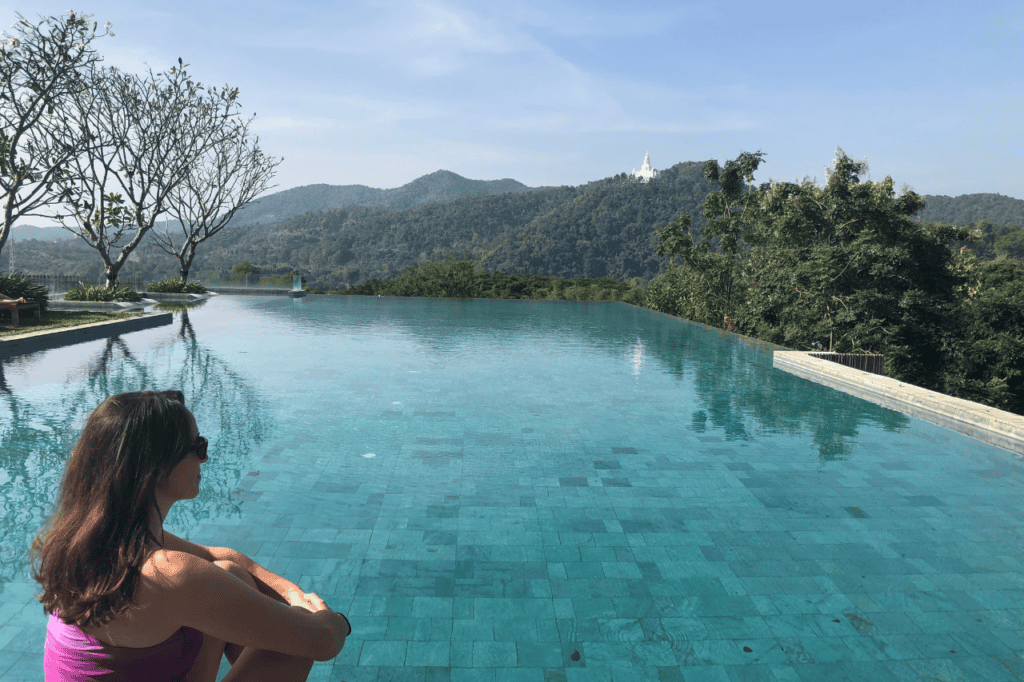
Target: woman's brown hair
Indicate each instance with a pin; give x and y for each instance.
(92, 546)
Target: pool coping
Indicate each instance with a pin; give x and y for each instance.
(986, 424)
(246, 291)
(100, 306)
(43, 340)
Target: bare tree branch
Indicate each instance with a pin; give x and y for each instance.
(149, 132)
(41, 69)
(229, 176)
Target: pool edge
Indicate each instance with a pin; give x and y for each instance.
(986, 424)
(44, 340)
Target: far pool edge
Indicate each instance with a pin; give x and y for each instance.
(986, 424)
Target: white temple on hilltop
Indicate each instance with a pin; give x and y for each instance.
(646, 173)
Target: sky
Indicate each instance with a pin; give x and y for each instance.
(563, 92)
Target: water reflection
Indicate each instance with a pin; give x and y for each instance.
(39, 426)
(180, 306)
(741, 396)
(638, 356)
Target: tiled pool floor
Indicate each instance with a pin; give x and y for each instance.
(735, 576)
(515, 550)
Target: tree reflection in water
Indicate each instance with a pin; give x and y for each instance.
(742, 401)
(39, 427)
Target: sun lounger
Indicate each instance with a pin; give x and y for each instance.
(17, 305)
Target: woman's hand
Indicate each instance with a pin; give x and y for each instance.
(307, 600)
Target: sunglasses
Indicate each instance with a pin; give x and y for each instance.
(200, 448)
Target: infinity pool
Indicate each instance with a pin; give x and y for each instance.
(549, 491)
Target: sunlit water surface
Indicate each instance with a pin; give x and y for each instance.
(585, 468)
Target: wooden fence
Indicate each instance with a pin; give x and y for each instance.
(862, 361)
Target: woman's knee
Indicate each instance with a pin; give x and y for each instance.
(236, 570)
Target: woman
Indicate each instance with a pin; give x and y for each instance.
(127, 597)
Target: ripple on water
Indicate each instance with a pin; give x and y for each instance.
(688, 639)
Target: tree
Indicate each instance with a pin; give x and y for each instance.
(989, 344)
(241, 272)
(712, 262)
(149, 132)
(844, 267)
(41, 69)
(840, 267)
(229, 176)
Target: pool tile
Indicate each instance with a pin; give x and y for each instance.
(731, 627)
(428, 653)
(381, 653)
(985, 668)
(871, 648)
(25, 669)
(519, 675)
(546, 654)
(494, 654)
(432, 607)
(11, 639)
(461, 653)
(750, 673)
(408, 629)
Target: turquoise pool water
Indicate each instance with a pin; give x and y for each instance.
(525, 490)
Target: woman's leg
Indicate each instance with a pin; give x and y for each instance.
(257, 665)
(233, 650)
(208, 661)
(262, 665)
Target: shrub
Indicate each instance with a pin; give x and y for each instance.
(98, 292)
(176, 285)
(19, 286)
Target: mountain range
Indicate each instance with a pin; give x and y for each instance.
(434, 188)
(605, 228)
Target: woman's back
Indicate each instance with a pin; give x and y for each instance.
(178, 610)
(141, 643)
(72, 655)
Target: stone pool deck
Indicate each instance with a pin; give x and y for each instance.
(987, 424)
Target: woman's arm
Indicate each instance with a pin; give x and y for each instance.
(211, 600)
(270, 584)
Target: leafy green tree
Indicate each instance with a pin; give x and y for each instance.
(708, 280)
(988, 357)
(844, 267)
(841, 267)
(1010, 243)
(245, 268)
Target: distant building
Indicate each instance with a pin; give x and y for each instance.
(646, 173)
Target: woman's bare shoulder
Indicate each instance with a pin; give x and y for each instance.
(171, 567)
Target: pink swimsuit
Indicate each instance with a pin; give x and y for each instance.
(72, 655)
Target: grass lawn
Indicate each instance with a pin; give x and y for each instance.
(56, 319)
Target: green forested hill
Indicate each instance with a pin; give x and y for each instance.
(606, 231)
(604, 228)
(351, 244)
(972, 208)
(438, 187)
